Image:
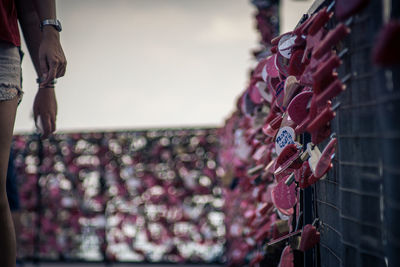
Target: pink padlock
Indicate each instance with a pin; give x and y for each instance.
(283, 196)
(309, 237)
(325, 162)
(287, 258)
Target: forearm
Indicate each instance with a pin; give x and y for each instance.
(43, 44)
(29, 22)
(46, 9)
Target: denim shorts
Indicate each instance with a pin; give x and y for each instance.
(10, 71)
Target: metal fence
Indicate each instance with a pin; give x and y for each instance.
(358, 204)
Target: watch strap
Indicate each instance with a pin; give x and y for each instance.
(51, 22)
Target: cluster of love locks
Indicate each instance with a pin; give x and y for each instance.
(121, 196)
(291, 97)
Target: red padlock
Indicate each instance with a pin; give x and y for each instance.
(296, 66)
(322, 119)
(325, 162)
(316, 19)
(320, 20)
(331, 39)
(276, 123)
(301, 128)
(322, 134)
(312, 42)
(288, 158)
(326, 69)
(320, 86)
(307, 76)
(297, 108)
(302, 174)
(287, 258)
(333, 90)
(309, 237)
(283, 196)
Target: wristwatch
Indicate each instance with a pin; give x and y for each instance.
(51, 22)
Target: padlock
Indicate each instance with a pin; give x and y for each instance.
(333, 37)
(286, 44)
(333, 90)
(321, 119)
(313, 64)
(326, 69)
(297, 108)
(296, 66)
(288, 158)
(270, 69)
(321, 134)
(316, 22)
(279, 229)
(291, 88)
(312, 41)
(320, 20)
(284, 197)
(321, 163)
(254, 94)
(287, 258)
(323, 84)
(309, 237)
(282, 64)
(257, 72)
(313, 111)
(315, 154)
(276, 123)
(324, 163)
(285, 136)
(264, 91)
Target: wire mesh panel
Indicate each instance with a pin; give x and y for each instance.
(353, 199)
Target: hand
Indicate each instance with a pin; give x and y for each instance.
(45, 106)
(51, 56)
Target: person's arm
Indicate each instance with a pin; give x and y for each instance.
(46, 52)
(51, 55)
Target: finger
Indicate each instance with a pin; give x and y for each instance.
(44, 68)
(52, 73)
(61, 70)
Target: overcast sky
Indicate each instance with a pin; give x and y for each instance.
(149, 63)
